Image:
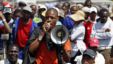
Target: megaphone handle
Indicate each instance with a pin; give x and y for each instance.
(59, 54)
(48, 41)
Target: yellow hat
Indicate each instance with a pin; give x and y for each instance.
(111, 15)
(79, 15)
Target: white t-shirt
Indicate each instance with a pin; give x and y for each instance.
(105, 38)
(19, 61)
(77, 36)
(99, 59)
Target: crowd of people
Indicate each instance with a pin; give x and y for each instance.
(26, 32)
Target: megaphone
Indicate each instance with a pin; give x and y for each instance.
(59, 34)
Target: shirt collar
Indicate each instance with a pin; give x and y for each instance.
(7, 62)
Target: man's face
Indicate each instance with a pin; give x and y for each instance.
(73, 9)
(88, 3)
(13, 54)
(25, 15)
(34, 9)
(18, 15)
(87, 60)
(93, 16)
(66, 7)
(103, 17)
(51, 19)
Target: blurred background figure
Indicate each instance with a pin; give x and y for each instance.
(42, 10)
(34, 9)
(89, 25)
(102, 30)
(6, 24)
(37, 18)
(24, 26)
(88, 3)
(80, 6)
(73, 9)
(77, 34)
(66, 7)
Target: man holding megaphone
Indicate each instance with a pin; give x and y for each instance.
(41, 43)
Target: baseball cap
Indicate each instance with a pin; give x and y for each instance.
(27, 8)
(86, 9)
(42, 6)
(93, 9)
(90, 53)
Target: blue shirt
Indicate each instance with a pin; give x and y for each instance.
(68, 22)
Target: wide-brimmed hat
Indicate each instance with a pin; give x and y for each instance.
(111, 14)
(79, 15)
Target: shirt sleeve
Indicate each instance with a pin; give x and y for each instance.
(76, 32)
(67, 46)
(103, 34)
(34, 35)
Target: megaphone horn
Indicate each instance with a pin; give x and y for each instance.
(59, 34)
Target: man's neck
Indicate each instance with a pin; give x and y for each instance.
(13, 63)
(26, 21)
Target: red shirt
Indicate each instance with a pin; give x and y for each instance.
(44, 56)
(88, 30)
(23, 33)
